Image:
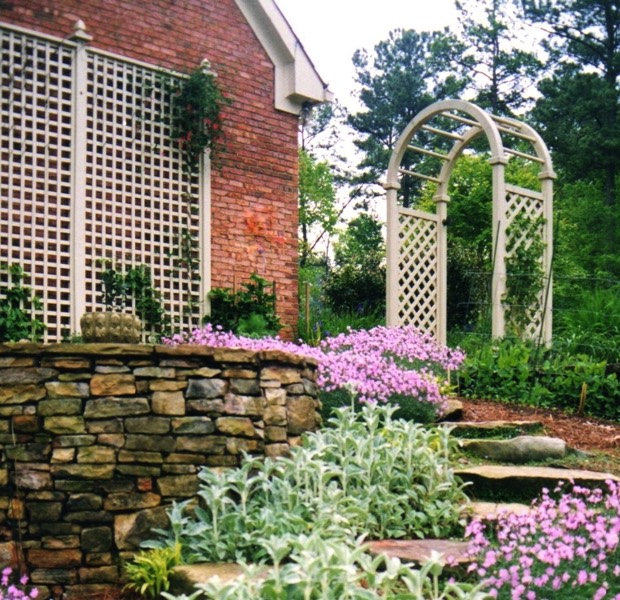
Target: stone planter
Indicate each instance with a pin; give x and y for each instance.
(111, 327)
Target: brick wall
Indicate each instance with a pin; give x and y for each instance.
(96, 440)
(254, 181)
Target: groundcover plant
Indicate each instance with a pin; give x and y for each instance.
(378, 364)
(567, 546)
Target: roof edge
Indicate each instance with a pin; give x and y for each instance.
(297, 81)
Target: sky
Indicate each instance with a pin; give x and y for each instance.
(332, 30)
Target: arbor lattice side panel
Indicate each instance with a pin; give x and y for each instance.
(36, 168)
(417, 271)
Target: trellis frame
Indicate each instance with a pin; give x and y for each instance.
(404, 286)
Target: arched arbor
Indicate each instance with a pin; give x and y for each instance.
(417, 240)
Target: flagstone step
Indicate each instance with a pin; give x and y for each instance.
(419, 551)
(184, 577)
(523, 483)
(491, 429)
(490, 511)
(521, 449)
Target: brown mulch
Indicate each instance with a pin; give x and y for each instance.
(579, 432)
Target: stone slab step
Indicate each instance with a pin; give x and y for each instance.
(490, 511)
(521, 449)
(454, 411)
(183, 578)
(419, 551)
(523, 483)
(487, 429)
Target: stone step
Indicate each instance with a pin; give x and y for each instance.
(490, 511)
(518, 450)
(523, 483)
(184, 578)
(454, 410)
(419, 551)
(491, 429)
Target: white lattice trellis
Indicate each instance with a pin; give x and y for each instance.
(88, 172)
(416, 277)
(417, 268)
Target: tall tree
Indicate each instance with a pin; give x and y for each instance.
(579, 103)
(493, 51)
(317, 200)
(405, 74)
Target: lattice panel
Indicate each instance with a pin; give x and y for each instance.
(417, 273)
(137, 193)
(526, 206)
(35, 169)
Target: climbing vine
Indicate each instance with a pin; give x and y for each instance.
(525, 274)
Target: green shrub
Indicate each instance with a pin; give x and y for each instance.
(377, 476)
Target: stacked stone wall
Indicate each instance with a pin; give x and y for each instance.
(97, 440)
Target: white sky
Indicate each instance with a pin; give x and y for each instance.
(332, 30)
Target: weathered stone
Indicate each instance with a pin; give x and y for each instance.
(168, 403)
(203, 406)
(206, 388)
(25, 423)
(138, 470)
(196, 425)
(96, 454)
(492, 510)
(191, 459)
(275, 396)
(234, 355)
(113, 385)
(249, 387)
(285, 375)
(275, 434)
(107, 369)
(135, 501)
(475, 429)
(180, 486)
(183, 579)
(93, 591)
(240, 373)
(454, 410)
(179, 469)
(29, 452)
(148, 424)
(17, 510)
(310, 387)
(18, 394)
(54, 559)
(118, 485)
(108, 574)
(128, 456)
(65, 406)
(64, 389)
(209, 444)
(132, 529)
(83, 471)
(67, 441)
(236, 426)
(54, 577)
(104, 408)
(17, 361)
(63, 455)
(105, 426)
(8, 553)
(44, 511)
(244, 405)
(419, 551)
(89, 516)
(522, 449)
(301, 415)
(60, 542)
(117, 440)
(57, 529)
(26, 375)
(67, 363)
(181, 363)
(85, 376)
(224, 460)
(64, 425)
(275, 450)
(150, 443)
(98, 559)
(155, 372)
(295, 389)
(239, 445)
(31, 479)
(82, 502)
(275, 415)
(166, 385)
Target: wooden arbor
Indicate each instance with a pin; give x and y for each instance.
(417, 240)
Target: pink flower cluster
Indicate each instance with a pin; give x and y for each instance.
(377, 363)
(10, 591)
(566, 547)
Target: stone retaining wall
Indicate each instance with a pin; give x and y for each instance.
(96, 440)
